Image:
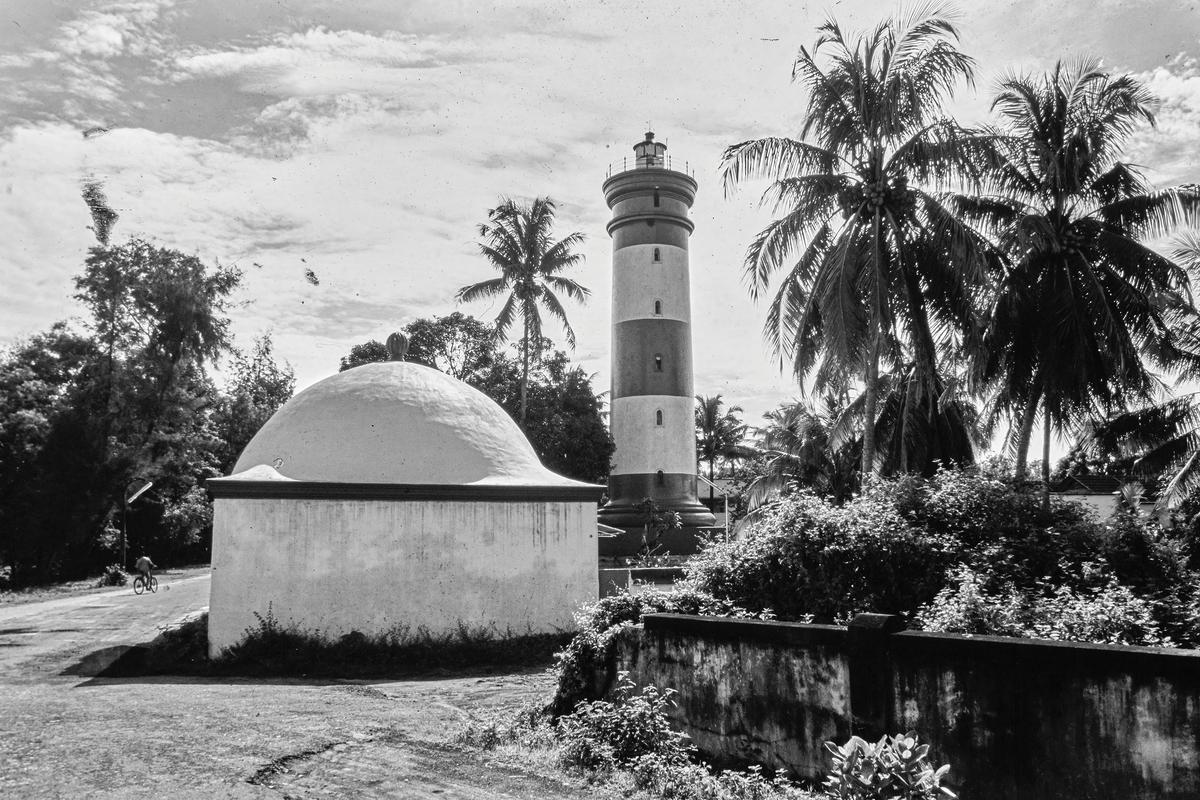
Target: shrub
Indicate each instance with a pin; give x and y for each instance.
(273, 648)
(966, 605)
(1108, 613)
(692, 781)
(628, 742)
(584, 667)
(528, 728)
(602, 734)
(899, 546)
(809, 557)
(5, 578)
(894, 768)
(113, 576)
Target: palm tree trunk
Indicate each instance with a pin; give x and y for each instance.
(711, 461)
(1046, 462)
(872, 387)
(524, 369)
(1025, 433)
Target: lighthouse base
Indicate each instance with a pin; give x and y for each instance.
(670, 492)
(683, 541)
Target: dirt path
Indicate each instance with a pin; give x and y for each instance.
(66, 733)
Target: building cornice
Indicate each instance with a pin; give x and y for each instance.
(219, 488)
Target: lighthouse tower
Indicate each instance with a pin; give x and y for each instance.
(653, 405)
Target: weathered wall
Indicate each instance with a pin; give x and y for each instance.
(1016, 719)
(368, 565)
(749, 692)
(1030, 719)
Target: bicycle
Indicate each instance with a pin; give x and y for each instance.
(140, 584)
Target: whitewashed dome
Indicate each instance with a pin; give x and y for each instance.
(397, 423)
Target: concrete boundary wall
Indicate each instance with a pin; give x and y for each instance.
(1015, 718)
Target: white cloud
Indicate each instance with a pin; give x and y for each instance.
(1171, 150)
(114, 29)
(319, 61)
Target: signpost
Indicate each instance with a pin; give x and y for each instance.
(129, 497)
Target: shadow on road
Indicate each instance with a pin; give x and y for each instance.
(101, 661)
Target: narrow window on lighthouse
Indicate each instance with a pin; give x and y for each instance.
(657, 362)
(656, 198)
(658, 417)
(657, 255)
(662, 479)
(658, 307)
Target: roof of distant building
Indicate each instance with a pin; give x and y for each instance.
(1087, 484)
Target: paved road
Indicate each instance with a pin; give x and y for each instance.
(83, 634)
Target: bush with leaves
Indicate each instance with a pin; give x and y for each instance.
(807, 556)
(605, 734)
(1107, 612)
(692, 781)
(528, 728)
(585, 669)
(113, 576)
(902, 544)
(894, 768)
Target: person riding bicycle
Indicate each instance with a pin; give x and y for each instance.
(144, 565)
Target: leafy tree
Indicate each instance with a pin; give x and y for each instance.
(456, 344)
(878, 269)
(719, 434)
(257, 388)
(129, 397)
(564, 420)
(37, 385)
(369, 352)
(1086, 311)
(517, 242)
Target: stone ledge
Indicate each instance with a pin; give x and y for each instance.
(751, 630)
(324, 490)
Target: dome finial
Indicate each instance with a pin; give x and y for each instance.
(397, 346)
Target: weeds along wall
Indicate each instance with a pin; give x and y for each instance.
(1016, 719)
(401, 559)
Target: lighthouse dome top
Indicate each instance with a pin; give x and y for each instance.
(396, 423)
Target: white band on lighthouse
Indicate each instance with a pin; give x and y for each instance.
(640, 282)
(651, 445)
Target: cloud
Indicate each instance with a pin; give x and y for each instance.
(114, 29)
(319, 61)
(1169, 150)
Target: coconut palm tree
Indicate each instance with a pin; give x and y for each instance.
(876, 267)
(719, 434)
(800, 448)
(922, 423)
(1163, 436)
(517, 242)
(1085, 311)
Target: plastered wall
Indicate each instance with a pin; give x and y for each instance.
(370, 565)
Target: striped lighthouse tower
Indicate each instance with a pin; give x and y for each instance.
(653, 405)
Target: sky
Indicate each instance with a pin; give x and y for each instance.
(366, 141)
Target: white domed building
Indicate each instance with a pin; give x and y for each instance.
(395, 495)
